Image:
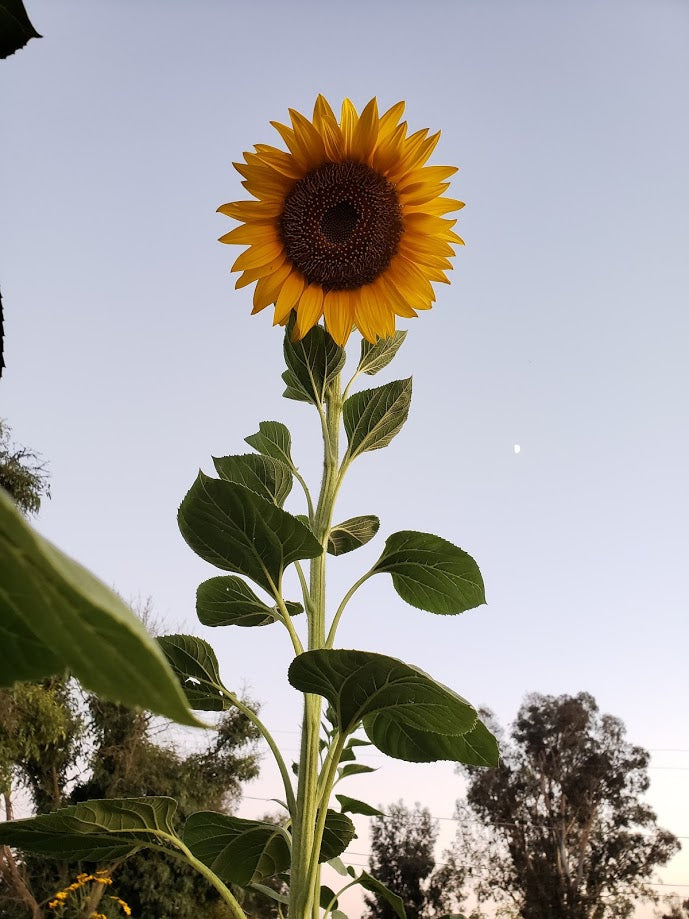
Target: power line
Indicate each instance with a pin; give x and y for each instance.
(543, 826)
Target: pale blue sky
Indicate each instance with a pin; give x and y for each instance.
(131, 359)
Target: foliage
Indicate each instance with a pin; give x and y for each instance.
(402, 858)
(16, 30)
(23, 474)
(237, 523)
(65, 749)
(560, 828)
(676, 909)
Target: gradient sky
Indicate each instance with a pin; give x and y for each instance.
(131, 359)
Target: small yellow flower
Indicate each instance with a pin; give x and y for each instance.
(61, 895)
(126, 909)
(53, 904)
(348, 224)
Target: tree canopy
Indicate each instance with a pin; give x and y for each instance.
(402, 858)
(22, 473)
(560, 828)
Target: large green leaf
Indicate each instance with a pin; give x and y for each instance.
(273, 439)
(196, 667)
(368, 882)
(55, 615)
(268, 477)
(338, 832)
(477, 747)
(350, 534)
(239, 851)
(233, 528)
(94, 830)
(430, 573)
(361, 683)
(376, 357)
(16, 28)
(312, 364)
(228, 600)
(373, 417)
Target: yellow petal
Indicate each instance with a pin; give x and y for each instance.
(438, 207)
(258, 255)
(280, 160)
(387, 152)
(250, 234)
(387, 290)
(290, 291)
(270, 287)
(309, 140)
(338, 310)
(422, 193)
(348, 120)
(365, 133)
(372, 316)
(309, 310)
(253, 274)
(425, 175)
(389, 120)
(251, 210)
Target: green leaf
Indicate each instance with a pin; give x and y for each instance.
(352, 533)
(196, 667)
(377, 887)
(94, 830)
(373, 417)
(55, 615)
(477, 747)
(16, 28)
(234, 529)
(293, 388)
(268, 477)
(327, 896)
(360, 683)
(375, 357)
(354, 769)
(338, 832)
(337, 865)
(239, 851)
(430, 573)
(228, 600)
(270, 893)
(273, 439)
(353, 806)
(312, 364)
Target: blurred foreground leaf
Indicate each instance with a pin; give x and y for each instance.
(56, 616)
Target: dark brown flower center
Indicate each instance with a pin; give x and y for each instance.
(341, 225)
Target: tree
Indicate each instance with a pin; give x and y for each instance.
(22, 473)
(402, 845)
(676, 909)
(63, 747)
(559, 829)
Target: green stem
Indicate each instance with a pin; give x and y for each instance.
(331, 906)
(341, 608)
(286, 620)
(268, 737)
(307, 493)
(325, 789)
(185, 854)
(304, 870)
(306, 596)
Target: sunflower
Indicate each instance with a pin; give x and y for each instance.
(347, 224)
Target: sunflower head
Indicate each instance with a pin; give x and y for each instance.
(347, 224)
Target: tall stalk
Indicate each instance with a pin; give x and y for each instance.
(303, 896)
